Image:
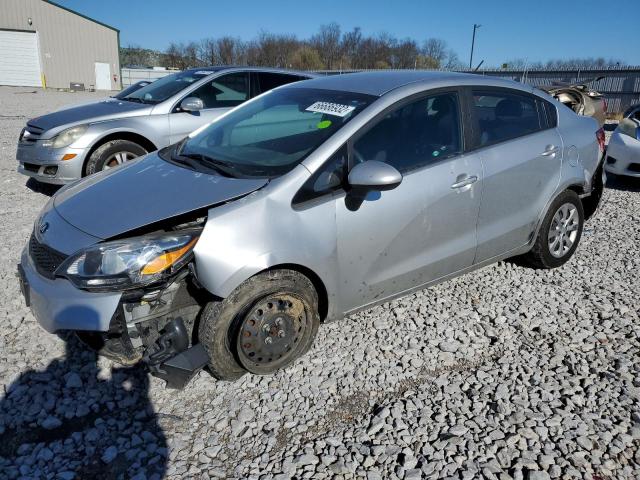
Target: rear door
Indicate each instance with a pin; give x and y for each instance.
(218, 95)
(425, 228)
(521, 156)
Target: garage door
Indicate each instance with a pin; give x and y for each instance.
(19, 59)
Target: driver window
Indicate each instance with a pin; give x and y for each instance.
(224, 92)
(414, 135)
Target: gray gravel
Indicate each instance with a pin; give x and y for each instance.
(505, 373)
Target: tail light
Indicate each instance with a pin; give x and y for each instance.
(601, 138)
(604, 105)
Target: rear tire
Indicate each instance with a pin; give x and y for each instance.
(559, 233)
(262, 326)
(591, 203)
(112, 154)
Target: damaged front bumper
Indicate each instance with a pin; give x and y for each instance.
(124, 326)
(58, 305)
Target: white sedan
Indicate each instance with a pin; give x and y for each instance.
(623, 152)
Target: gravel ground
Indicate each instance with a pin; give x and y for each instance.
(504, 373)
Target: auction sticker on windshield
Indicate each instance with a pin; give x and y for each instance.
(331, 108)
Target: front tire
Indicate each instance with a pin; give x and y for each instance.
(111, 154)
(264, 325)
(559, 233)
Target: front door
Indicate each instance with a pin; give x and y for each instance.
(103, 76)
(218, 96)
(522, 162)
(425, 228)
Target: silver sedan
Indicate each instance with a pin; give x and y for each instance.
(63, 146)
(304, 205)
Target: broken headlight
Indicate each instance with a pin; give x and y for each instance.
(130, 263)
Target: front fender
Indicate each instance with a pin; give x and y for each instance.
(149, 127)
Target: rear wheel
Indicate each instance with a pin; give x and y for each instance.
(263, 326)
(559, 233)
(112, 154)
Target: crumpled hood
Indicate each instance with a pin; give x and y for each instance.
(89, 112)
(142, 192)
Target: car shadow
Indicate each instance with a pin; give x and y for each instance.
(71, 420)
(44, 188)
(623, 183)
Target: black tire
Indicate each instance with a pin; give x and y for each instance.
(223, 321)
(591, 203)
(540, 255)
(105, 153)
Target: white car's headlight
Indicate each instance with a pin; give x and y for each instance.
(130, 263)
(66, 137)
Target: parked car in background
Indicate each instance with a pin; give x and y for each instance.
(311, 202)
(633, 112)
(623, 152)
(581, 98)
(63, 146)
(131, 88)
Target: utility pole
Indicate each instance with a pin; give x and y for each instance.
(473, 42)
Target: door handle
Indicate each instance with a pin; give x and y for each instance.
(470, 180)
(550, 150)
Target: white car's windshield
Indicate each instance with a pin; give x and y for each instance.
(274, 133)
(166, 87)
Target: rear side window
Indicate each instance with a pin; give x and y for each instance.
(225, 91)
(267, 81)
(502, 116)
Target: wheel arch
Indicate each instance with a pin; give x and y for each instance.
(134, 137)
(318, 284)
(575, 187)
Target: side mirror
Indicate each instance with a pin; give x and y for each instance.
(374, 175)
(191, 104)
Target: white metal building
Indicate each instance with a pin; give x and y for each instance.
(43, 44)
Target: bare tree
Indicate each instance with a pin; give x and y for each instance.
(327, 43)
(173, 56)
(351, 43)
(435, 49)
(406, 53)
(306, 58)
(208, 51)
(327, 49)
(275, 50)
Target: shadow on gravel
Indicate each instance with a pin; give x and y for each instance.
(69, 421)
(626, 184)
(43, 188)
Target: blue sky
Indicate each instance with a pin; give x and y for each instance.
(536, 30)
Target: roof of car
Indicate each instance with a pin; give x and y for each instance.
(218, 68)
(380, 82)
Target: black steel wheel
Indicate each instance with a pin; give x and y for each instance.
(271, 332)
(263, 326)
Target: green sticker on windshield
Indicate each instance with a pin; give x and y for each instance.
(324, 124)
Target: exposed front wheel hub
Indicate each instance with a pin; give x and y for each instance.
(270, 332)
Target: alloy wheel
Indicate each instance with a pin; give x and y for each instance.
(118, 158)
(563, 230)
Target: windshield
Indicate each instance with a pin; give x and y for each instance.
(132, 88)
(166, 87)
(272, 134)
